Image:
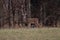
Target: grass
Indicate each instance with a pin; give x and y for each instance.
(30, 34)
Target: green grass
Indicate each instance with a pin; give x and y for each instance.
(30, 34)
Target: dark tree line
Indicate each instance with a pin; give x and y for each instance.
(16, 12)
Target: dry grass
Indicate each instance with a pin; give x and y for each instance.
(30, 34)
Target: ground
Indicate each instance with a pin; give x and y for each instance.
(30, 34)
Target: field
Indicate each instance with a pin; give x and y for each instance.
(30, 34)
